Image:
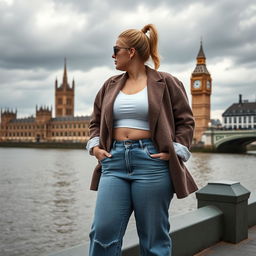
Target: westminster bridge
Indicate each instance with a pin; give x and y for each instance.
(228, 141)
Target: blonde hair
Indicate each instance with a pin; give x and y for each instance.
(146, 46)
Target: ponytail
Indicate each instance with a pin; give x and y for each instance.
(153, 42)
(146, 46)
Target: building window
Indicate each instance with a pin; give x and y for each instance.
(235, 119)
(59, 101)
(239, 120)
(249, 119)
(59, 111)
(254, 119)
(69, 102)
(244, 119)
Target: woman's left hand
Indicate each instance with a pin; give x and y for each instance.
(163, 156)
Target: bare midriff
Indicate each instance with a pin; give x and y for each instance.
(124, 133)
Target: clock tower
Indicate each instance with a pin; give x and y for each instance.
(201, 88)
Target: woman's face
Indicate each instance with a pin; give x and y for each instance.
(121, 56)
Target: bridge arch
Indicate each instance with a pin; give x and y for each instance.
(235, 143)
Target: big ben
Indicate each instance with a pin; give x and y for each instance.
(201, 88)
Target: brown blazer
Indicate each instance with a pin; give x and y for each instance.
(170, 119)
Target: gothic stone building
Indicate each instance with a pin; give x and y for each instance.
(241, 115)
(201, 89)
(65, 127)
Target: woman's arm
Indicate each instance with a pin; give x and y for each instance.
(183, 116)
(94, 125)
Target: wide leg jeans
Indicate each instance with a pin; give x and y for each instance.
(132, 180)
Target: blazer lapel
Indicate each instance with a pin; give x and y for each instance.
(156, 87)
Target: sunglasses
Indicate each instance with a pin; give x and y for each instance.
(116, 49)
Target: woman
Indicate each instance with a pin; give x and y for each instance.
(141, 129)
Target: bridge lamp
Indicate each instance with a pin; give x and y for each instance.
(211, 129)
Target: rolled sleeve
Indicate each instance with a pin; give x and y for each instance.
(182, 151)
(93, 142)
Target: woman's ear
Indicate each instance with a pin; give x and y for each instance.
(132, 52)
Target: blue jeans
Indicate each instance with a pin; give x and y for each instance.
(132, 180)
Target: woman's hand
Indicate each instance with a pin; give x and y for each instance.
(163, 156)
(100, 154)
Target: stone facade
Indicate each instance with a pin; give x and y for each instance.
(65, 127)
(241, 115)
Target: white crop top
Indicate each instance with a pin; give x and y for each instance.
(131, 110)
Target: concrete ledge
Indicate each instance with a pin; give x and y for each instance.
(199, 229)
(79, 250)
(191, 232)
(252, 210)
(184, 227)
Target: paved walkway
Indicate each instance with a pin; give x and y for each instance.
(245, 248)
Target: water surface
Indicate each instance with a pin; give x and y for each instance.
(46, 204)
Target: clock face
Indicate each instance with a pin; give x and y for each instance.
(208, 85)
(197, 84)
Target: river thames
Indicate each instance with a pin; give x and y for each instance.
(46, 204)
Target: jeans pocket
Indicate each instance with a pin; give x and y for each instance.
(112, 151)
(149, 150)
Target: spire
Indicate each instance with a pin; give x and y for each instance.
(65, 76)
(73, 83)
(201, 61)
(201, 51)
(56, 83)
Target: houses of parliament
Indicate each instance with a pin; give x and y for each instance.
(65, 127)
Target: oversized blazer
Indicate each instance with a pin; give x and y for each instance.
(170, 120)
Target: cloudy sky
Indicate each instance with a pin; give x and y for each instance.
(36, 36)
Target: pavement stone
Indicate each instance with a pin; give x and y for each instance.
(246, 247)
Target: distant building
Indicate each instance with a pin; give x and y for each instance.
(65, 127)
(241, 115)
(215, 123)
(64, 96)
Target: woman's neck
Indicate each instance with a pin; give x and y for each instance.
(137, 72)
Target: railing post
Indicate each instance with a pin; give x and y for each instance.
(232, 199)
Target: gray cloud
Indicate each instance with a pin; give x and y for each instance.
(36, 36)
